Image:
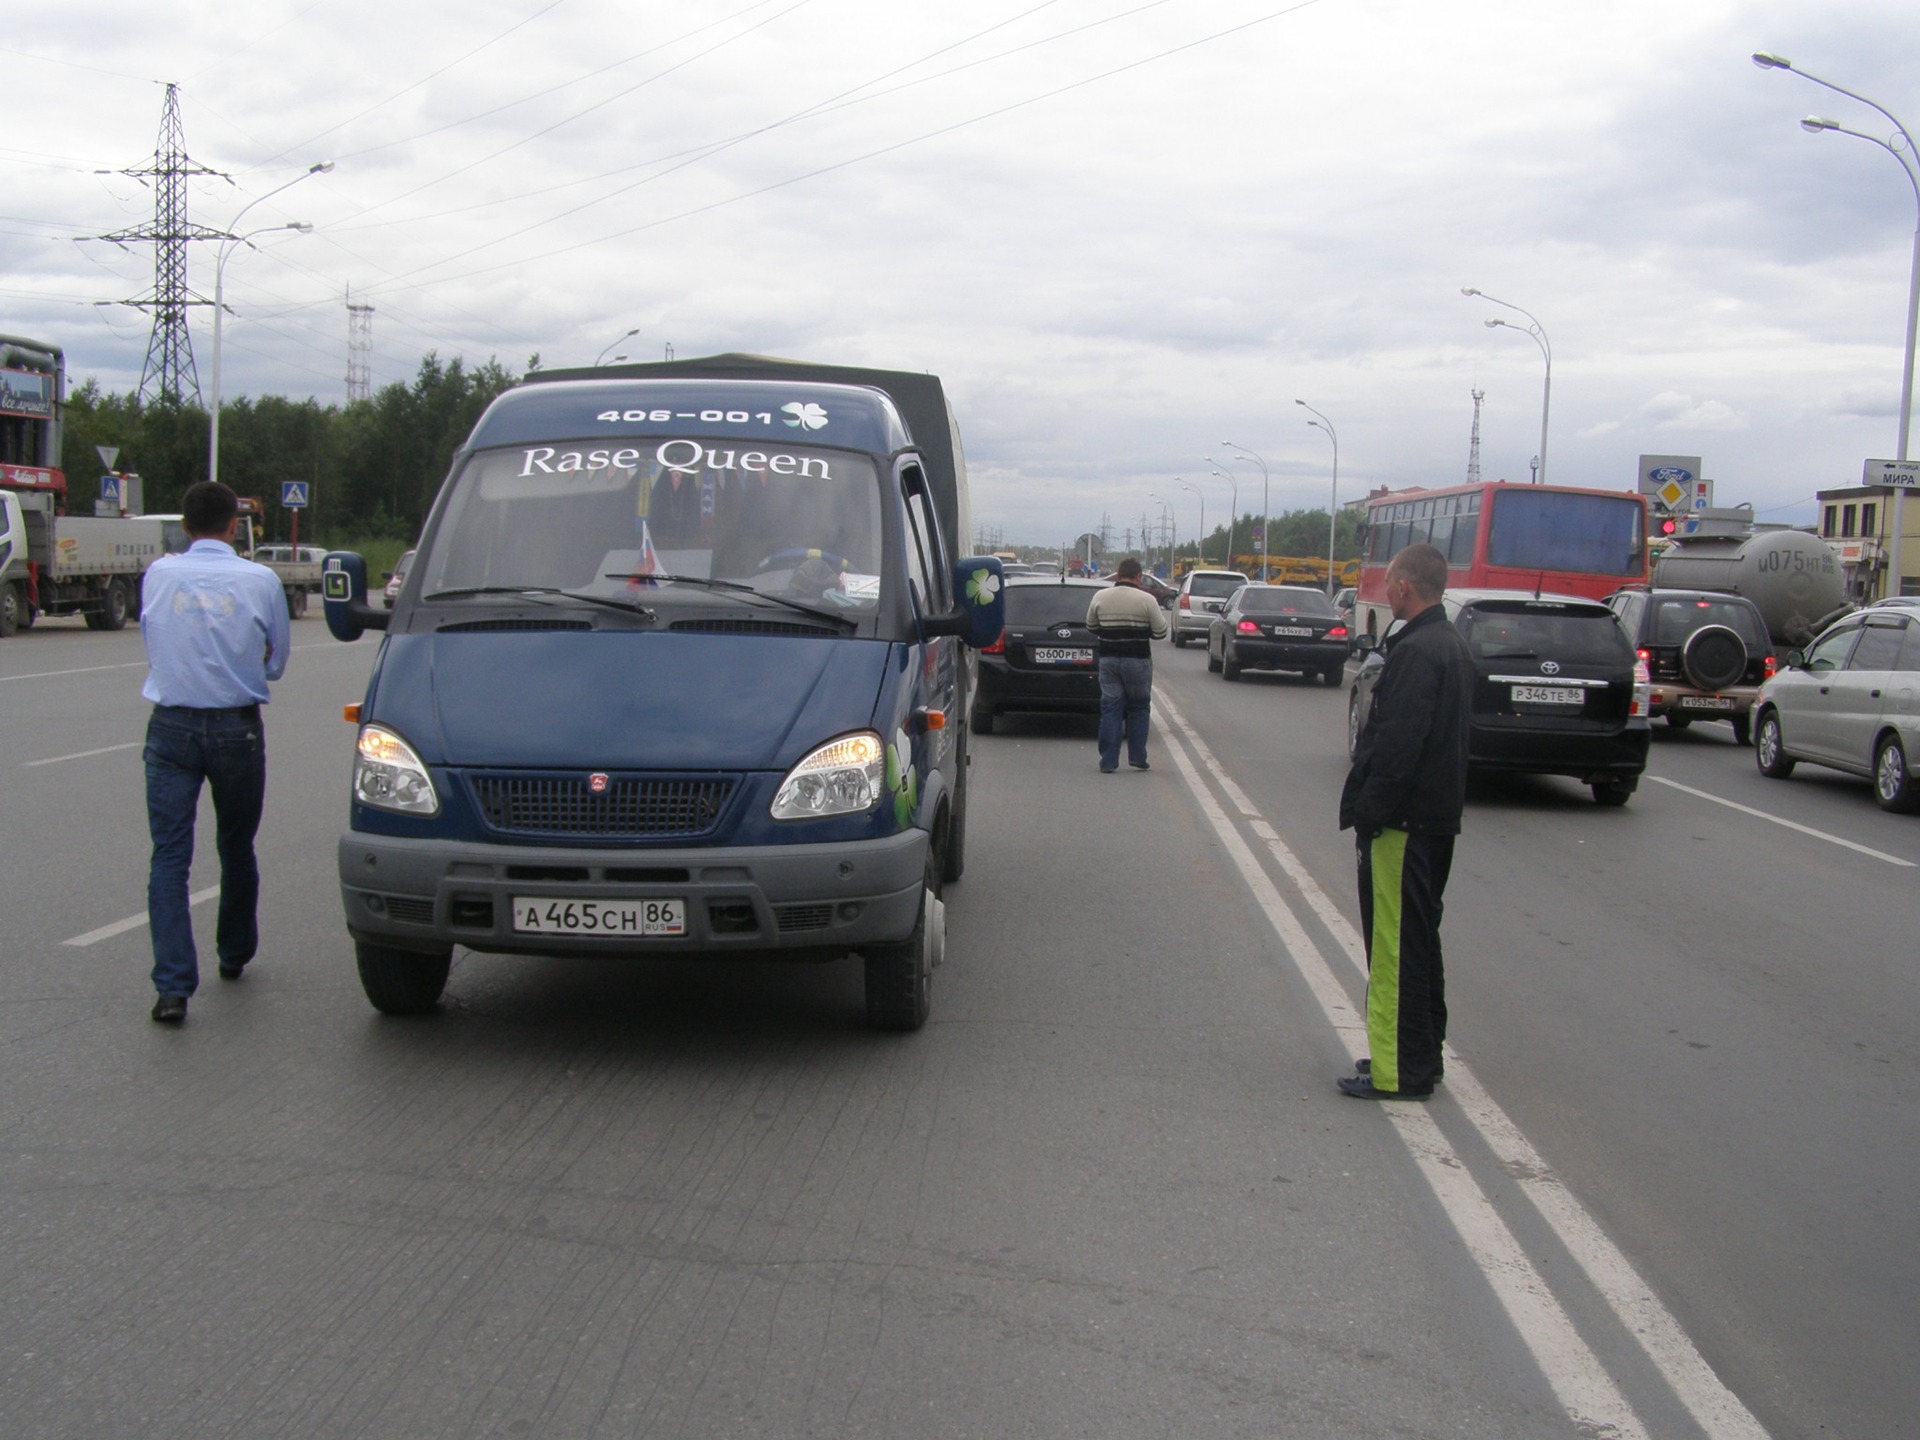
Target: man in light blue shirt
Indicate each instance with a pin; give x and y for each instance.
(216, 632)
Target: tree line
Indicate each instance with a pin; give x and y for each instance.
(372, 467)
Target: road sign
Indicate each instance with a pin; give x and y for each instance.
(1703, 495)
(108, 454)
(293, 494)
(1671, 494)
(110, 490)
(1893, 474)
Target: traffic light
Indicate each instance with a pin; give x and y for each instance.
(1669, 525)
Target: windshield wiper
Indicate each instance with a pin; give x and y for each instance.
(736, 587)
(544, 593)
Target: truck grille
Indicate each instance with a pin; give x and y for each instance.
(554, 806)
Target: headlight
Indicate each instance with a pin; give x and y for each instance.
(388, 774)
(841, 777)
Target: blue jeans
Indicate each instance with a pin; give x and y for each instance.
(1126, 695)
(227, 749)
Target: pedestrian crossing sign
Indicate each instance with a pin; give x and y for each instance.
(293, 494)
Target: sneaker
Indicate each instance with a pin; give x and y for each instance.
(1364, 1066)
(1139, 764)
(231, 972)
(1361, 1088)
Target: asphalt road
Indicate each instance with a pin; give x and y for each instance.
(1109, 1191)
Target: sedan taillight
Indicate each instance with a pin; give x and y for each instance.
(1338, 632)
(998, 647)
(1247, 627)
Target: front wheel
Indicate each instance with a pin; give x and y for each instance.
(1769, 750)
(401, 982)
(1893, 787)
(13, 605)
(900, 977)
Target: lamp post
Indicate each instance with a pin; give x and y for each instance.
(219, 306)
(1266, 487)
(1233, 515)
(1333, 494)
(628, 336)
(1904, 153)
(1534, 328)
(1199, 558)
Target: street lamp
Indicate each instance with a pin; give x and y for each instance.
(1199, 558)
(603, 354)
(1333, 495)
(1539, 334)
(1233, 515)
(1903, 151)
(219, 307)
(1265, 490)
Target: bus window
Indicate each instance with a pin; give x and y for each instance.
(1553, 530)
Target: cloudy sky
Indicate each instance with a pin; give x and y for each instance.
(1122, 231)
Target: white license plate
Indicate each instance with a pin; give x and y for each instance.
(1293, 630)
(1706, 702)
(1548, 695)
(628, 919)
(1049, 656)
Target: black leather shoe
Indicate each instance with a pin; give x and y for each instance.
(1361, 1088)
(170, 1009)
(1139, 764)
(230, 972)
(1364, 1066)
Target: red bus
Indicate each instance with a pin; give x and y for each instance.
(1554, 539)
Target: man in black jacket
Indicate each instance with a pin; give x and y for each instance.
(1403, 800)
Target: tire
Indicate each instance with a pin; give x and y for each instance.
(1714, 657)
(1229, 669)
(297, 604)
(1353, 723)
(115, 605)
(1612, 793)
(1770, 750)
(1213, 664)
(13, 606)
(401, 982)
(1743, 730)
(983, 722)
(1893, 787)
(1335, 676)
(900, 977)
(1173, 634)
(1677, 721)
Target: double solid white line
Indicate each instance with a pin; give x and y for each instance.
(1577, 1375)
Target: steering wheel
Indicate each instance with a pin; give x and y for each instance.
(792, 559)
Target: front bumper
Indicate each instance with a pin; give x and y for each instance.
(429, 895)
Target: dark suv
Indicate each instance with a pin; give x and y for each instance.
(1707, 653)
(1557, 689)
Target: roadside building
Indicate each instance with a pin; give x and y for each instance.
(1857, 522)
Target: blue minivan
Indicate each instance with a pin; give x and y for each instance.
(683, 664)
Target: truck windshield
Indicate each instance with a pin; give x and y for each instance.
(793, 522)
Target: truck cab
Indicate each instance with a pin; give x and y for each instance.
(682, 666)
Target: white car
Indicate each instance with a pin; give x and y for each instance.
(1203, 594)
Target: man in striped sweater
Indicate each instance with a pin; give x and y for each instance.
(1126, 620)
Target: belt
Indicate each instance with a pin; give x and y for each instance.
(252, 709)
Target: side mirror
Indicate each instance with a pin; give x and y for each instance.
(1365, 645)
(343, 588)
(1794, 660)
(982, 612)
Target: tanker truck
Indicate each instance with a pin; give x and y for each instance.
(1793, 577)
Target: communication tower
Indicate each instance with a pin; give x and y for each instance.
(169, 375)
(359, 351)
(1473, 446)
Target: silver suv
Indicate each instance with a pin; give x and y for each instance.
(1203, 595)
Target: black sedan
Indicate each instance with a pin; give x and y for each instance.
(1278, 627)
(1044, 660)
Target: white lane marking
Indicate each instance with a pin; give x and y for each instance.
(1720, 1412)
(1581, 1383)
(142, 664)
(1789, 824)
(81, 754)
(134, 922)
